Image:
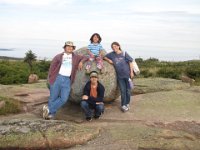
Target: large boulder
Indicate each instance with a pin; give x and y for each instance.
(33, 78)
(108, 79)
(187, 79)
(2, 104)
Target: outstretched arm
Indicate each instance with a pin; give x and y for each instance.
(108, 60)
(82, 59)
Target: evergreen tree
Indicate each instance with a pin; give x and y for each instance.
(30, 58)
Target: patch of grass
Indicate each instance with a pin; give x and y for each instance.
(197, 81)
(41, 84)
(11, 106)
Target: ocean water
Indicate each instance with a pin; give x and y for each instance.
(47, 49)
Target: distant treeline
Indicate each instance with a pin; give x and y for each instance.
(17, 72)
(10, 58)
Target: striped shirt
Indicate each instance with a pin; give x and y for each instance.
(95, 48)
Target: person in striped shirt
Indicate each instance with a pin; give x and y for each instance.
(94, 51)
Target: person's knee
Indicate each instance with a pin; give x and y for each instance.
(128, 92)
(64, 99)
(123, 93)
(100, 107)
(84, 104)
(122, 90)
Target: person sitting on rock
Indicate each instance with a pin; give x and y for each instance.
(61, 75)
(124, 69)
(92, 98)
(94, 51)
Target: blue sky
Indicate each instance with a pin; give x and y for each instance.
(170, 24)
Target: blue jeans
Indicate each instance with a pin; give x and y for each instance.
(125, 91)
(98, 109)
(59, 93)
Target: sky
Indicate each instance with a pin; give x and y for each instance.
(151, 26)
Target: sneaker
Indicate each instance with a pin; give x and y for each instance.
(128, 106)
(50, 117)
(87, 67)
(87, 72)
(96, 117)
(101, 71)
(124, 108)
(88, 118)
(45, 111)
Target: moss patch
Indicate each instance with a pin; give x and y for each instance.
(23, 140)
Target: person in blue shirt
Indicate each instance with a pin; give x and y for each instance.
(124, 70)
(94, 51)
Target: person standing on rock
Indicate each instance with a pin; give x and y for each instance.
(124, 70)
(92, 98)
(94, 51)
(61, 75)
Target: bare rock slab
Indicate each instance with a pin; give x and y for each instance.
(42, 134)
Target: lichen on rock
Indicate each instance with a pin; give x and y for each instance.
(108, 79)
(39, 134)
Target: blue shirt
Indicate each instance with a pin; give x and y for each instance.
(121, 63)
(95, 48)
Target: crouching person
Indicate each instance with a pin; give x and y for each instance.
(92, 99)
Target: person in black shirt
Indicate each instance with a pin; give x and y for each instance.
(92, 98)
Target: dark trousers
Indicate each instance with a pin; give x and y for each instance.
(88, 108)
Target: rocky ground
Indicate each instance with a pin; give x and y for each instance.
(164, 115)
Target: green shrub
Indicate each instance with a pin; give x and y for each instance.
(139, 60)
(168, 73)
(13, 73)
(154, 68)
(193, 72)
(11, 106)
(17, 72)
(146, 73)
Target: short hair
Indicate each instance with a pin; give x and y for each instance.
(94, 72)
(98, 36)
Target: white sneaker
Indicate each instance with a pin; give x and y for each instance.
(128, 106)
(45, 111)
(50, 117)
(124, 108)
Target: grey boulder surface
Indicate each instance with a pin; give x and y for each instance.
(108, 79)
